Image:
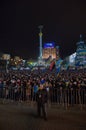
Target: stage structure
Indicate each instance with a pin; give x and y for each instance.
(81, 53)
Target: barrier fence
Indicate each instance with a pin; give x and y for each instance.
(65, 97)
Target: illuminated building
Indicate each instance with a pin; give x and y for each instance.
(50, 50)
(6, 56)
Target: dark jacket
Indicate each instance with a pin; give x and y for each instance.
(42, 96)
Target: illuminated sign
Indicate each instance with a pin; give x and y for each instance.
(49, 45)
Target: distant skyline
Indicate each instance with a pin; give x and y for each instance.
(63, 21)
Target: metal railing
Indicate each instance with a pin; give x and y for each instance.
(67, 97)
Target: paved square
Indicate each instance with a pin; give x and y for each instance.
(23, 117)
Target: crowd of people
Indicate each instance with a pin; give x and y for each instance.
(23, 85)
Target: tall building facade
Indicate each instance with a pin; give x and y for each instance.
(49, 50)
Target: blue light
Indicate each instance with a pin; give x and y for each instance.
(49, 45)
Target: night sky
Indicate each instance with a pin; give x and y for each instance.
(63, 22)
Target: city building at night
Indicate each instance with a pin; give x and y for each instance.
(50, 50)
(5, 56)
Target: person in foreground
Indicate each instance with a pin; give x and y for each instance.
(41, 98)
